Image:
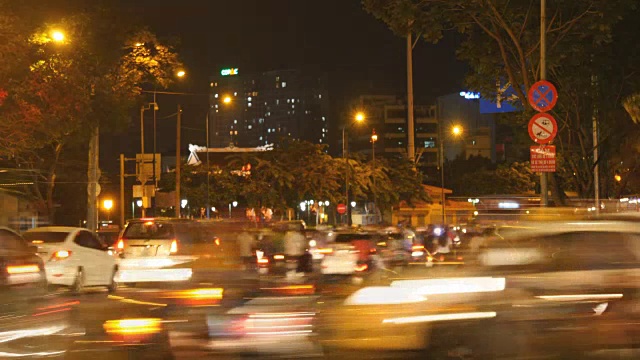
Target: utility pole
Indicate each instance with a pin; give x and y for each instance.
(155, 181)
(411, 149)
(178, 161)
(544, 192)
(121, 205)
(93, 176)
(208, 172)
(596, 173)
(141, 169)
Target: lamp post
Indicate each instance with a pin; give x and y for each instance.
(226, 100)
(179, 74)
(456, 131)
(358, 118)
(374, 138)
(107, 204)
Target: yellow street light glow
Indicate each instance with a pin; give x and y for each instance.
(107, 204)
(138, 44)
(456, 130)
(374, 137)
(57, 35)
(181, 73)
(359, 116)
(618, 178)
(227, 99)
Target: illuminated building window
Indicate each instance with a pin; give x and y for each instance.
(235, 94)
(293, 106)
(216, 96)
(211, 84)
(260, 138)
(249, 127)
(249, 104)
(235, 121)
(284, 84)
(288, 101)
(249, 98)
(320, 140)
(319, 96)
(323, 119)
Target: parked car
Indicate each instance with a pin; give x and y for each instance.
(74, 257)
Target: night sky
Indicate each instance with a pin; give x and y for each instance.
(358, 52)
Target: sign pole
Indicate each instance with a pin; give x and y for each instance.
(544, 197)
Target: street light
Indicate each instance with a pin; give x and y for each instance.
(226, 99)
(456, 131)
(107, 205)
(358, 118)
(181, 73)
(57, 36)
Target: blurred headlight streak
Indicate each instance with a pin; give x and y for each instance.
(151, 275)
(6, 336)
(22, 269)
(451, 285)
(579, 297)
(277, 324)
(440, 317)
(383, 295)
(142, 326)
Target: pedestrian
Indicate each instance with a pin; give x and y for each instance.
(246, 244)
(294, 248)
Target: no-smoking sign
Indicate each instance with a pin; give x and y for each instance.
(543, 128)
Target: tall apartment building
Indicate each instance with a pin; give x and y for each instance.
(258, 109)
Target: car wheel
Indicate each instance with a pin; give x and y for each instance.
(78, 283)
(113, 285)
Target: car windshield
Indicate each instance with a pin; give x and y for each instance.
(149, 230)
(11, 241)
(45, 236)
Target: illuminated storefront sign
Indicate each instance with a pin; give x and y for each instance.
(229, 71)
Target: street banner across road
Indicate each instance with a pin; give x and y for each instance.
(543, 158)
(543, 96)
(543, 128)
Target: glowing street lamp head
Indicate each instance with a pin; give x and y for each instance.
(57, 36)
(226, 99)
(618, 178)
(107, 204)
(456, 130)
(181, 73)
(359, 116)
(374, 136)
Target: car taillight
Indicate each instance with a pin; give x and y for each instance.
(325, 251)
(120, 244)
(174, 247)
(361, 267)
(60, 255)
(263, 260)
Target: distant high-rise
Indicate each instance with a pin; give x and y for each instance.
(258, 109)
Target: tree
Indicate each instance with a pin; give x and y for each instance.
(501, 44)
(516, 178)
(59, 92)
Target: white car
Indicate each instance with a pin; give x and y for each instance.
(342, 259)
(74, 257)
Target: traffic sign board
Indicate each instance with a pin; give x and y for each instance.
(543, 158)
(543, 96)
(542, 128)
(342, 208)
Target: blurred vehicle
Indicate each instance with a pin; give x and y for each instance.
(565, 289)
(348, 252)
(74, 257)
(164, 249)
(284, 226)
(276, 321)
(25, 319)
